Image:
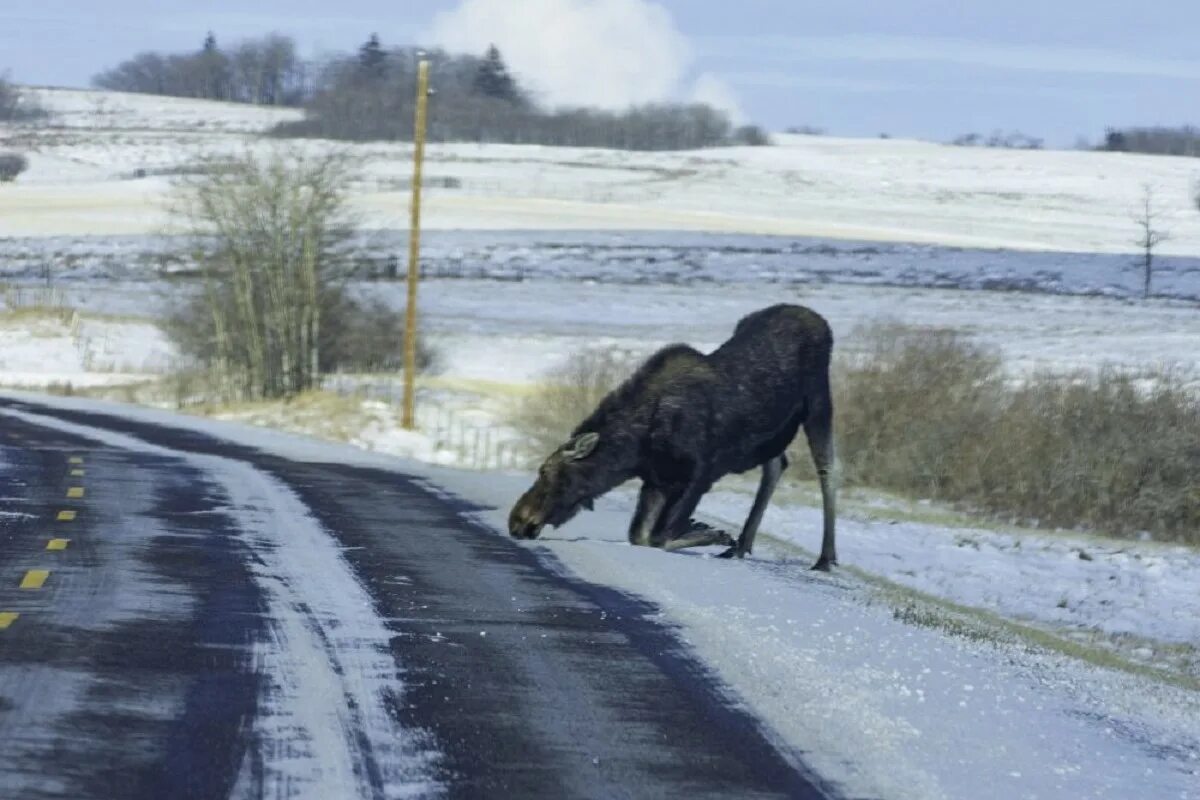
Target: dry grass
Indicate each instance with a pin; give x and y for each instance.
(928, 413)
(569, 393)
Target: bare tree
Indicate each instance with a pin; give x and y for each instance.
(12, 165)
(15, 105)
(271, 229)
(1148, 219)
(273, 240)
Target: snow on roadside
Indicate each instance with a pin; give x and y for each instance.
(1119, 587)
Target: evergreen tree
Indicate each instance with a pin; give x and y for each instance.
(371, 58)
(210, 43)
(494, 80)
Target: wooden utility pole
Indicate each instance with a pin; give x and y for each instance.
(414, 249)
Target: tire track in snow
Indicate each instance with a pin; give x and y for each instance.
(322, 730)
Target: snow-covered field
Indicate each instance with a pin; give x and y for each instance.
(874, 190)
(662, 253)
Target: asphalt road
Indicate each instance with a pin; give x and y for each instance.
(132, 630)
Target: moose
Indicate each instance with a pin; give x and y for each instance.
(684, 420)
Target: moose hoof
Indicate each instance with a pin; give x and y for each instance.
(824, 564)
(732, 552)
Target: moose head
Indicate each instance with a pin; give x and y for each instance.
(566, 483)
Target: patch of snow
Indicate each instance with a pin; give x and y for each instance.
(1114, 586)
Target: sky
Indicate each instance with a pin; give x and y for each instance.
(931, 69)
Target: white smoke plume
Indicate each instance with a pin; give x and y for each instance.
(605, 53)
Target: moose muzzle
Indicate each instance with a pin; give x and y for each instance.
(525, 521)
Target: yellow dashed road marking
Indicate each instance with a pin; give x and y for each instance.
(57, 544)
(35, 578)
(75, 492)
(77, 473)
(75, 460)
(66, 516)
(7, 618)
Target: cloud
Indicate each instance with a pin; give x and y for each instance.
(714, 91)
(605, 53)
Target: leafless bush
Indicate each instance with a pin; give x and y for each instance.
(1014, 140)
(368, 336)
(928, 413)
(272, 231)
(569, 393)
(908, 404)
(752, 135)
(12, 165)
(15, 105)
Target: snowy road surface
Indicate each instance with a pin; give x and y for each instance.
(213, 621)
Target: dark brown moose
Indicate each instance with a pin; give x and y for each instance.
(684, 420)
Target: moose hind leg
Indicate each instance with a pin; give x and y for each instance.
(698, 535)
(772, 469)
(819, 430)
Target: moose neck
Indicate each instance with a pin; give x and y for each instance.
(616, 458)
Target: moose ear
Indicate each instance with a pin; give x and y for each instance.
(581, 446)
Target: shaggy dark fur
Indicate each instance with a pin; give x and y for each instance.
(686, 419)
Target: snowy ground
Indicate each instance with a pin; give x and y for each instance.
(891, 190)
(43, 348)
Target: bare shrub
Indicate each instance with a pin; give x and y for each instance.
(15, 105)
(928, 413)
(907, 406)
(271, 231)
(368, 336)
(274, 313)
(752, 135)
(1113, 451)
(569, 393)
(12, 165)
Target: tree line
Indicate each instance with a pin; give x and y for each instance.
(1155, 140)
(369, 95)
(264, 71)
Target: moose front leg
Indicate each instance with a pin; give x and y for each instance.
(771, 471)
(651, 502)
(676, 530)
